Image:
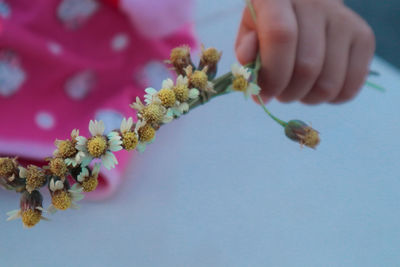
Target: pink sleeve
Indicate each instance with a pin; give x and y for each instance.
(155, 18)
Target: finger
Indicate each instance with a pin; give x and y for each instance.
(264, 99)
(333, 75)
(362, 52)
(246, 45)
(310, 52)
(277, 33)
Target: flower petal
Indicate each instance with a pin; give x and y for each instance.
(13, 215)
(167, 84)
(194, 93)
(141, 147)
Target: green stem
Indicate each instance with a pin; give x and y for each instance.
(375, 86)
(251, 9)
(281, 122)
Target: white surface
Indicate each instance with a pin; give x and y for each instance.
(223, 187)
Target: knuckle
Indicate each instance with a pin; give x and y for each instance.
(307, 68)
(367, 36)
(344, 17)
(326, 90)
(349, 93)
(281, 33)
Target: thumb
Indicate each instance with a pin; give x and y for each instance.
(246, 49)
(246, 46)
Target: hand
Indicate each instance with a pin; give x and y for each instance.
(313, 51)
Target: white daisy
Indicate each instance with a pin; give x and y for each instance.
(126, 125)
(17, 214)
(182, 106)
(99, 146)
(63, 199)
(141, 147)
(200, 77)
(138, 105)
(151, 96)
(242, 81)
(84, 174)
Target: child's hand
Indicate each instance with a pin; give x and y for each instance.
(312, 50)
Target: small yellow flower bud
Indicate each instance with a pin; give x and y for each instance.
(31, 208)
(58, 167)
(66, 149)
(7, 167)
(31, 217)
(129, 141)
(240, 84)
(146, 133)
(299, 131)
(90, 184)
(180, 58)
(210, 58)
(35, 178)
(61, 199)
(97, 146)
(199, 80)
(167, 97)
(181, 93)
(153, 113)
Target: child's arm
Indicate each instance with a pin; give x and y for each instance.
(312, 50)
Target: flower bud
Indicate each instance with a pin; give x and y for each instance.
(210, 58)
(300, 132)
(180, 58)
(31, 207)
(9, 177)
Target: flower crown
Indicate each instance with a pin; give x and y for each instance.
(73, 157)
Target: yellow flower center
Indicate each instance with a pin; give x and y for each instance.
(58, 167)
(129, 140)
(146, 133)
(311, 138)
(181, 93)
(211, 56)
(66, 149)
(167, 97)
(97, 146)
(153, 113)
(6, 167)
(90, 184)
(61, 200)
(180, 54)
(31, 217)
(199, 80)
(35, 177)
(240, 84)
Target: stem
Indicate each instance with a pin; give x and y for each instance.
(375, 86)
(251, 9)
(281, 122)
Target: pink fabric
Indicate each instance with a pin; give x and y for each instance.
(155, 18)
(64, 63)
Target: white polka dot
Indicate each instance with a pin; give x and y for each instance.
(155, 73)
(12, 76)
(80, 85)
(111, 118)
(119, 42)
(45, 120)
(5, 11)
(54, 48)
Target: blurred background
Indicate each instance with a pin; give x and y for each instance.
(384, 18)
(224, 187)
